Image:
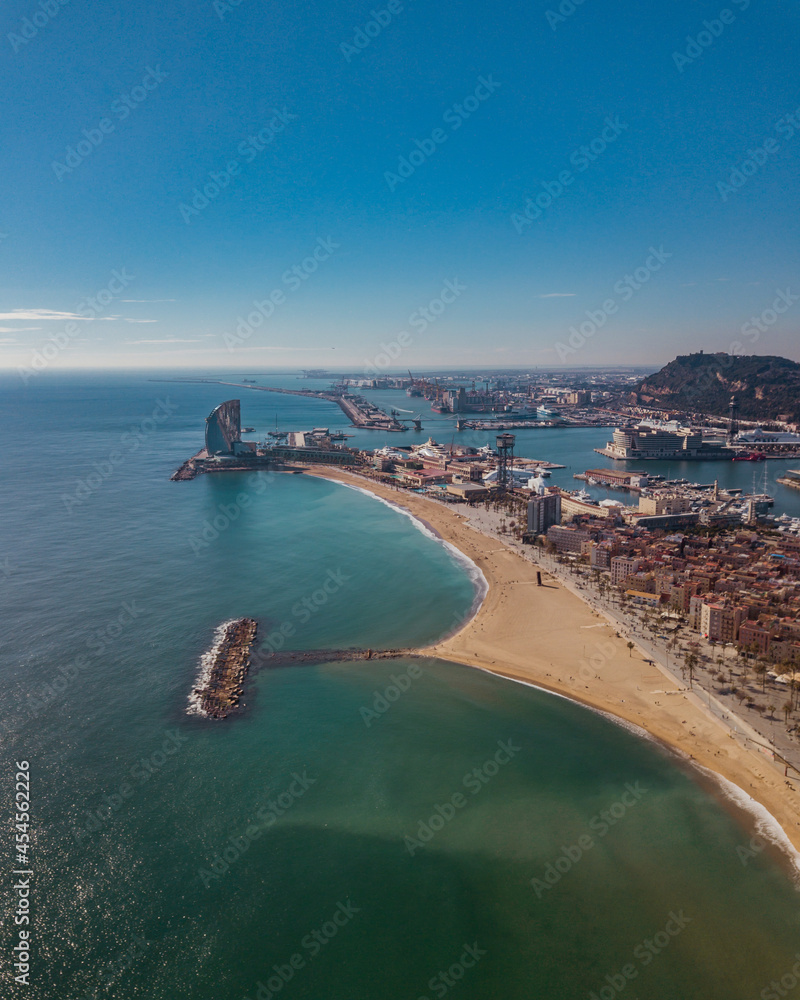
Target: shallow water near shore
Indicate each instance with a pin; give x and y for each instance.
(362, 824)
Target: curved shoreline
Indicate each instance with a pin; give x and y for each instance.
(476, 575)
(559, 644)
(733, 797)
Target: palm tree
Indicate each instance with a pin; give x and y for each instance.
(691, 663)
(630, 648)
(787, 710)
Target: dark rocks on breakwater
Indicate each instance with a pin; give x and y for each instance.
(224, 668)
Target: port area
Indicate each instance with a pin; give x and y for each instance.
(224, 668)
(525, 423)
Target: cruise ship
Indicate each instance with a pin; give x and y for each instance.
(546, 413)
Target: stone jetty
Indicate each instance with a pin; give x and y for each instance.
(223, 669)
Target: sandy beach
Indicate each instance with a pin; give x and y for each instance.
(548, 636)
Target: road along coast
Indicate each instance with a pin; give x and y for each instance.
(549, 637)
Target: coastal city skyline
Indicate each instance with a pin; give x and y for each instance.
(400, 559)
(535, 160)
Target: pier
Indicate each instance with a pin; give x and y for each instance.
(202, 463)
(358, 410)
(790, 478)
(223, 669)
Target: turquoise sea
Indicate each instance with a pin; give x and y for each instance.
(384, 830)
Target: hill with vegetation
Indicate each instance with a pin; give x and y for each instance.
(768, 388)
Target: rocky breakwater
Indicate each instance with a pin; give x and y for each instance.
(223, 668)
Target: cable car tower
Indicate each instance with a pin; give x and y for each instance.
(505, 451)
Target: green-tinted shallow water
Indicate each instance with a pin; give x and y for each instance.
(179, 858)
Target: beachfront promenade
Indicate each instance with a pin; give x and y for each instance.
(630, 627)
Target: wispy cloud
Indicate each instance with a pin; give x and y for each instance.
(42, 314)
(166, 340)
(147, 300)
(558, 295)
(18, 329)
(140, 320)
(5, 341)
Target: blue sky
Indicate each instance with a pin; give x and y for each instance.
(306, 128)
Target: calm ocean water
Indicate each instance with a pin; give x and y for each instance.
(380, 830)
